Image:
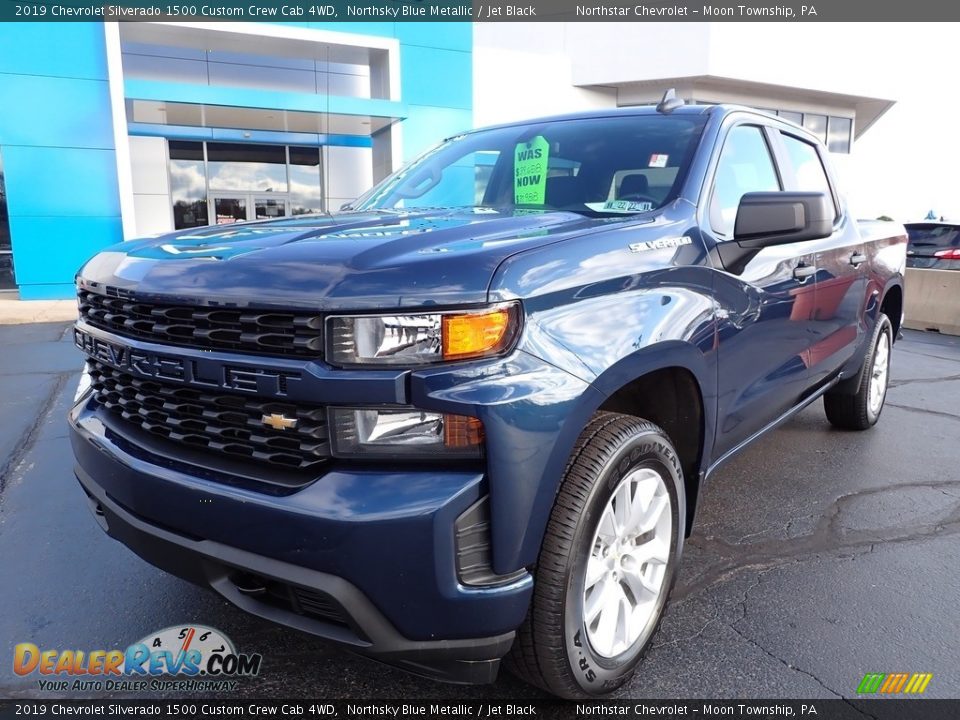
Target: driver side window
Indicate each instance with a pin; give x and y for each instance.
(745, 166)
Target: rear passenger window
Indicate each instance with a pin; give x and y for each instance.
(745, 166)
(808, 172)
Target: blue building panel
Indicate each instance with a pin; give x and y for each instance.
(447, 35)
(55, 111)
(61, 182)
(68, 50)
(433, 76)
(56, 136)
(428, 125)
(380, 29)
(49, 250)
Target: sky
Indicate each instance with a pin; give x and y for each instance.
(906, 163)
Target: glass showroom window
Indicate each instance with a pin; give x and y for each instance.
(6, 251)
(817, 124)
(305, 195)
(838, 134)
(188, 184)
(236, 166)
(834, 131)
(795, 117)
(242, 181)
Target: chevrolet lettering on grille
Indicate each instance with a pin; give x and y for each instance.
(263, 382)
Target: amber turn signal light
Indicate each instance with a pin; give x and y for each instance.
(478, 334)
(460, 431)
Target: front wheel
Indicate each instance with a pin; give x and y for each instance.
(861, 409)
(607, 563)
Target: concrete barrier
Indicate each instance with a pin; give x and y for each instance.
(932, 300)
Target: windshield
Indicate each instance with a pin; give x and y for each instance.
(594, 166)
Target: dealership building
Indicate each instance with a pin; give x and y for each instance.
(111, 131)
(119, 130)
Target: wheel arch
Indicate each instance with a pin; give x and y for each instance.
(671, 398)
(636, 385)
(891, 305)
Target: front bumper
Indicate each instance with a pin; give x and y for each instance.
(361, 557)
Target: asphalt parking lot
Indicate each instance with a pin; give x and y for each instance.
(818, 556)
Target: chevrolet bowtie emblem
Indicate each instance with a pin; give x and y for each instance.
(279, 422)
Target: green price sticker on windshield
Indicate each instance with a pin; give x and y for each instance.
(530, 171)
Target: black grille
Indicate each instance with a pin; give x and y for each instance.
(263, 332)
(318, 604)
(301, 600)
(218, 422)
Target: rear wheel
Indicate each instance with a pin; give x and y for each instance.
(607, 563)
(861, 409)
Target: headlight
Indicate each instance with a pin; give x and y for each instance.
(410, 433)
(421, 339)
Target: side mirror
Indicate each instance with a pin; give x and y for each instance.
(777, 218)
(765, 219)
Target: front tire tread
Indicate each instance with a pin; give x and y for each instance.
(538, 655)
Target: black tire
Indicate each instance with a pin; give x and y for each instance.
(552, 650)
(852, 410)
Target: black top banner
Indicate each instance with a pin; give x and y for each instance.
(411, 709)
(447, 11)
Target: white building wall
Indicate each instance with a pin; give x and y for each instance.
(606, 52)
(151, 185)
(523, 70)
(835, 57)
(348, 172)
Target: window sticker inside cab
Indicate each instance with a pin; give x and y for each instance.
(621, 206)
(530, 171)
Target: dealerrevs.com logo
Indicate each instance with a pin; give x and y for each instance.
(177, 658)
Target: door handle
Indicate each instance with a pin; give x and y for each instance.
(802, 272)
(857, 259)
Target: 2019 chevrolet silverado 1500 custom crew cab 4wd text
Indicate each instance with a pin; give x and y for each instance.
(468, 419)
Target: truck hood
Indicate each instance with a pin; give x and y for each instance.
(353, 260)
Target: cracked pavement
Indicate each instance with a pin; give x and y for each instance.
(817, 556)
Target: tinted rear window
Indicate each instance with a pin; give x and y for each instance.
(935, 237)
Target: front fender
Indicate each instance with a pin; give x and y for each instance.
(606, 319)
(671, 354)
(533, 412)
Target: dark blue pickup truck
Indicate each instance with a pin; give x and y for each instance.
(468, 418)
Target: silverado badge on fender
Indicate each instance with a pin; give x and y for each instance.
(660, 244)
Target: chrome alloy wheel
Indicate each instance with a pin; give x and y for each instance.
(628, 563)
(878, 378)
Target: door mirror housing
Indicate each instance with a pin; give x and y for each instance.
(765, 219)
(778, 218)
